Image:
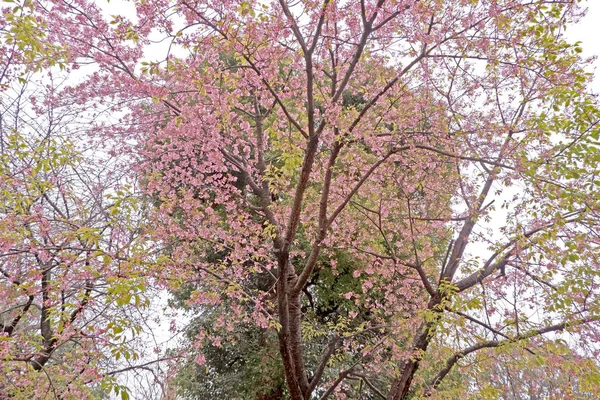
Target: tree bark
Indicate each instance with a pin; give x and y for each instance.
(401, 386)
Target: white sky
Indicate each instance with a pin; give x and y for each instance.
(588, 32)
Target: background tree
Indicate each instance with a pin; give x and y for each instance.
(71, 247)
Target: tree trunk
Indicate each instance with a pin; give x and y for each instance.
(401, 386)
(290, 335)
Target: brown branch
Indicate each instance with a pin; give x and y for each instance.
(9, 329)
(359, 184)
(465, 158)
(464, 236)
(489, 267)
(307, 271)
(369, 384)
(357, 55)
(478, 322)
(139, 366)
(294, 26)
(495, 343)
(323, 225)
(315, 39)
(418, 265)
(341, 376)
(316, 378)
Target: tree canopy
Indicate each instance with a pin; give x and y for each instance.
(391, 199)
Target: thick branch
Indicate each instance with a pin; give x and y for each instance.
(294, 26)
(307, 271)
(490, 267)
(316, 378)
(9, 329)
(341, 376)
(495, 343)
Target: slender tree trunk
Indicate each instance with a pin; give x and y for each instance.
(49, 341)
(291, 376)
(290, 335)
(295, 338)
(401, 386)
(290, 346)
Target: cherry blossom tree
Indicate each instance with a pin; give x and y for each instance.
(71, 246)
(425, 171)
(68, 261)
(384, 131)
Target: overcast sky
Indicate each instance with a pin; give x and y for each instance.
(588, 32)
